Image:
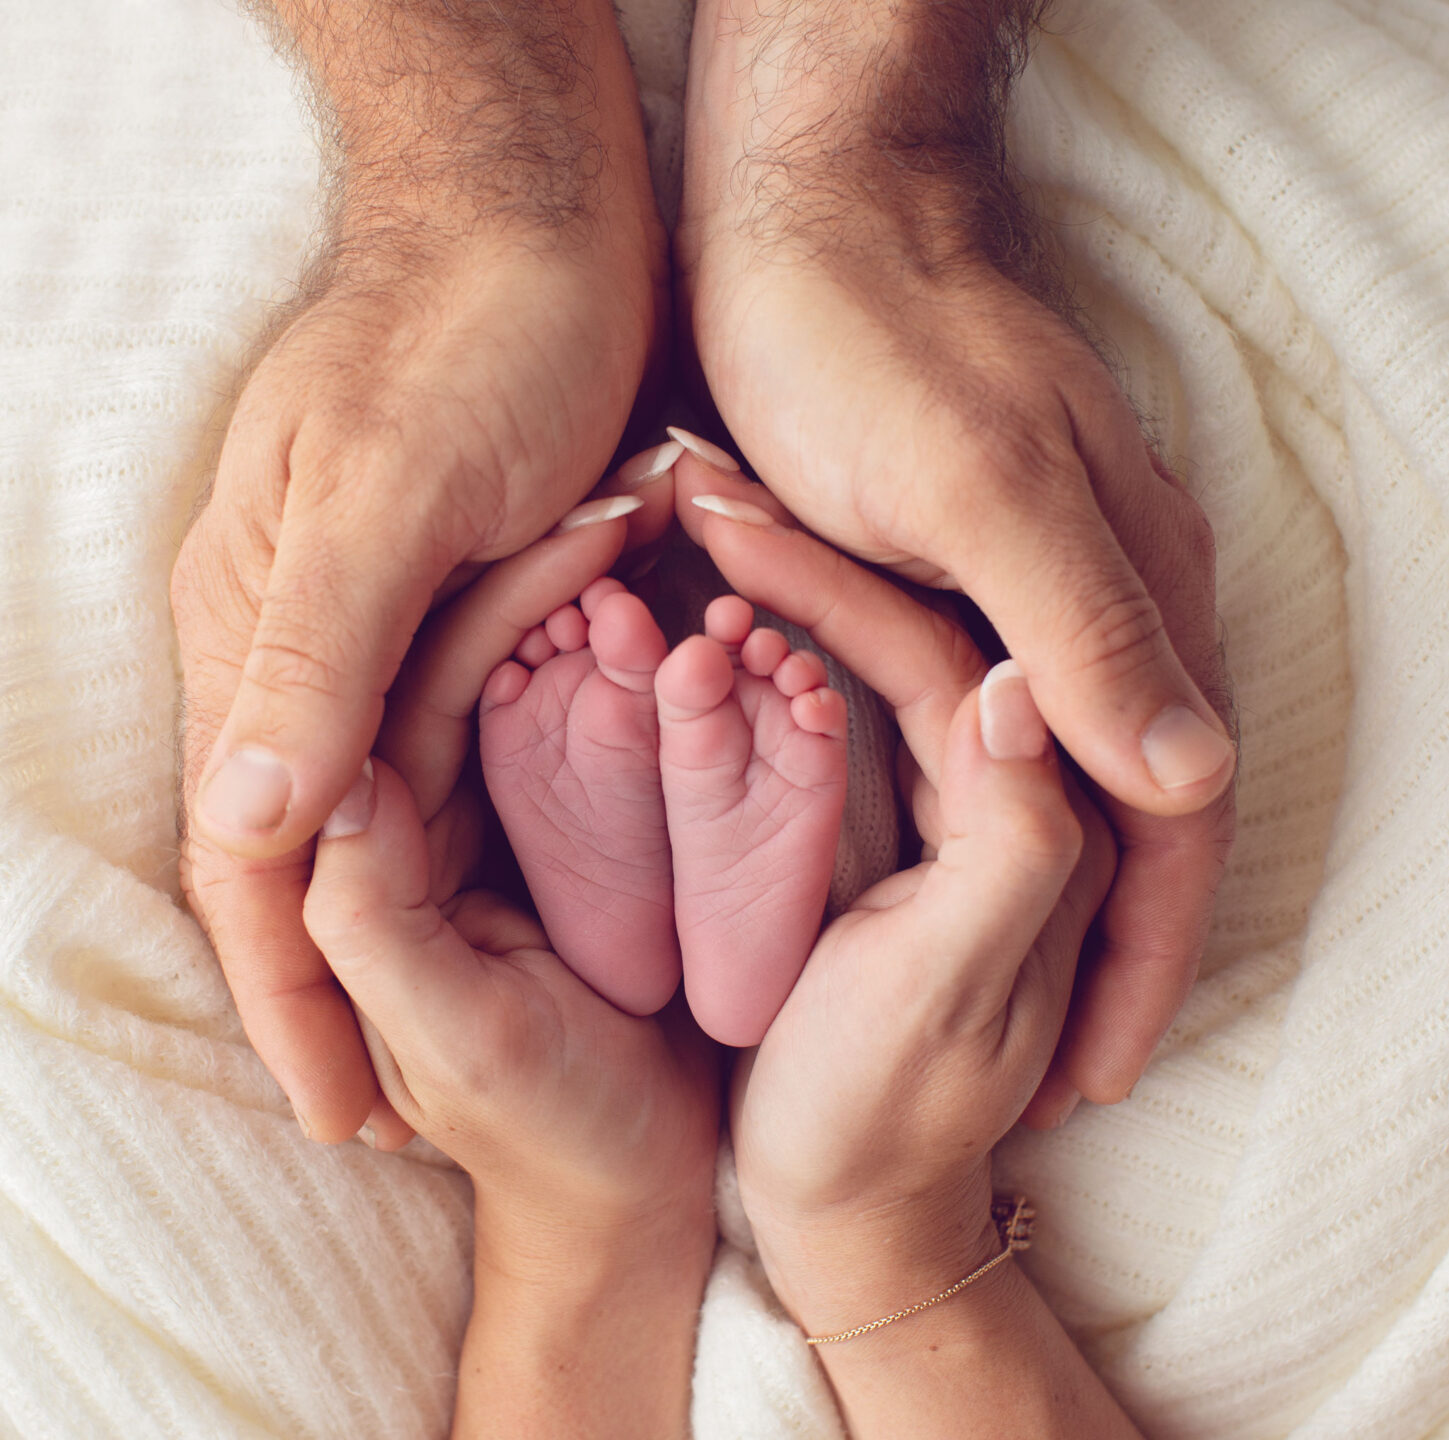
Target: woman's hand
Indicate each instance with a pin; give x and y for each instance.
(573, 1118)
(590, 1134)
(920, 1027)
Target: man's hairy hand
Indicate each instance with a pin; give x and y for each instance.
(460, 379)
(856, 298)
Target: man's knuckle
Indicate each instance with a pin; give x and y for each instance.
(1115, 635)
(284, 665)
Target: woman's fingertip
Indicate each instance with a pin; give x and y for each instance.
(355, 810)
(1012, 727)
(703, 450)
(648, 465)
(596, 512)
(738, 510)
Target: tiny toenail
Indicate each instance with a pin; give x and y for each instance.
(596, 512)
(703, 449)
(650, 465)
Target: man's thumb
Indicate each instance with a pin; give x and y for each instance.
(334, 625)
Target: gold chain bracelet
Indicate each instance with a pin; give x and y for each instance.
(1014, 1219)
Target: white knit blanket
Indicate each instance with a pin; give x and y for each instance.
(1256, 203)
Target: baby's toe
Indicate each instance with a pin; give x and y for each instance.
(535, 648)
(567, 628)
(598, 591)
(505, 685)
(763, 652)
(626, 642)
(798, 672)
(728, 620)
(694, 679)
(821, 712)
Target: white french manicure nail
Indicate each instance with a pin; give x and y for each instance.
(368, 1136)
(354, 811)
(1181, 748)
(595, 512)
(248, 794)
(740, 510)
(1011, 725)
(703, 450)
(649, 465)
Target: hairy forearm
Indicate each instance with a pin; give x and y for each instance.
(450, 112)
(596, 1347)
(836, 108)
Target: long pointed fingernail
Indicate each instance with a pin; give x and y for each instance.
(354, 811)
(1182, 749)
(703, 450)
(648, 465)
(595, 512)
(740, 510)
(248, 794)
(1011, 725)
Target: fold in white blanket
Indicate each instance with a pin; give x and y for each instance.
(1255, 200)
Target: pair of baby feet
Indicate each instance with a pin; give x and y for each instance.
(670, 810)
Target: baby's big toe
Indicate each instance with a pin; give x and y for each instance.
(693, 680)
(628, 646)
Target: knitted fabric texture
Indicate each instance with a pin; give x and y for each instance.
(1255, 204)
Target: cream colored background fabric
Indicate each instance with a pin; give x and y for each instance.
(1256, 204)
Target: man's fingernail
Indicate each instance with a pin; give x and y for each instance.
(740, 510)
(368, 1136)
(1011, 725)
(649, 465)
(354, 811)
(249, 793)
(595, 512)
(703, 449)
(1182, 749)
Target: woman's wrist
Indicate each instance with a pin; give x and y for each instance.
(837, 1269)
(586, 1331)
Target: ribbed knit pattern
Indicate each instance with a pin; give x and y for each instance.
(175, 1260)
(1256, 208)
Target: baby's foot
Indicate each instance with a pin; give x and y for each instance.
(570, 745)
(752, 757)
